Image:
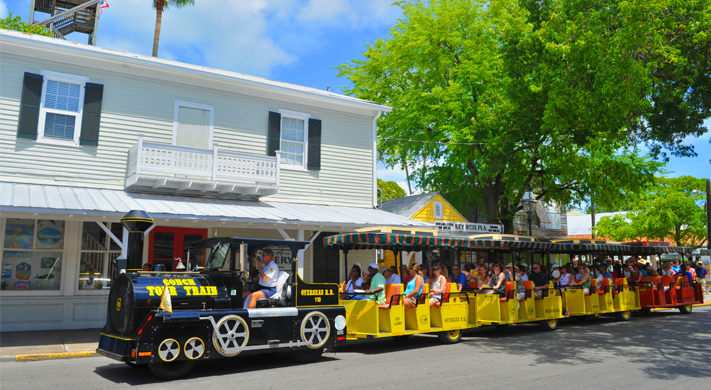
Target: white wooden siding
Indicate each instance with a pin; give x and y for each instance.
(134, 105)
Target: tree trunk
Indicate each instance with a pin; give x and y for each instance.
(159, 19)
(592, 216)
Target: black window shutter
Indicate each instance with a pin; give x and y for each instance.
(274, 136)
(314, 162)
(91, 117)
(30, 106)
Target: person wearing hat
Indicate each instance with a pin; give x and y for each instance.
(701, 273)
(377, 285)
(390, 276)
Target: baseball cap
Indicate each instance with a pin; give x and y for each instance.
(384, 268)
(509, 265)
(373, 265)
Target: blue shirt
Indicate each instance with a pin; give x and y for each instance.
(676, 268)
(460, 280)
(702, 273)
(644, 273)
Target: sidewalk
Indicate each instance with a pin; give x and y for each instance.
(50, 344)
(57, 344)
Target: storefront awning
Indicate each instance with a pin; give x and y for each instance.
(88, 203)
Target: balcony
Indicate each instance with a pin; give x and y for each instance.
(180, 170)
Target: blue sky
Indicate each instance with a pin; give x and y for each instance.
(294, 41)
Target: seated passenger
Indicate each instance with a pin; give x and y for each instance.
(405, 274)
(390, 276)
(268, 272)
(520, 288)
(482, 277)
(355, 281)
(438, 285)
(498, 281)
(566, 275)
(668, 270)
(425, 271)
(414, 287)
(636, 275)
(458, 277)
(651, 271)
(523, 272)
(627, 271)
(584, 279)
(540, 280)
(377, 285)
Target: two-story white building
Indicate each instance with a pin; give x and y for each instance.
(88, 134)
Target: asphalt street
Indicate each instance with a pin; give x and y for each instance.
(658, 351)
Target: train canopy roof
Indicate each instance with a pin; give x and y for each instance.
(416, 242)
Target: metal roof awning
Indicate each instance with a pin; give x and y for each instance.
(411, 242)
(88, 203)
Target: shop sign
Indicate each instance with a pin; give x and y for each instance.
(469, 227)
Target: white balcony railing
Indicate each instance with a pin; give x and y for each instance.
(161, 166)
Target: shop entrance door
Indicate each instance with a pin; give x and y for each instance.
(168, 243)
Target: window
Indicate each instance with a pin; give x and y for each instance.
(32, 254)
(293, 139)
(438, 211)
(98, 250)
(60, 109)
(192, 125)
(297, 136)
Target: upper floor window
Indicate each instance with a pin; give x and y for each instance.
(438, 209)
(293, 139)
(60, 108)
(297, 136)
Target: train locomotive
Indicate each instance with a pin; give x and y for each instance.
(171, 320)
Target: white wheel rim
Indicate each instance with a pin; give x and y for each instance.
(231, 335)
(194, 348)
(315, 330)
(168, 350)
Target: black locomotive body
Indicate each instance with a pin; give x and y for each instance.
(171, 320)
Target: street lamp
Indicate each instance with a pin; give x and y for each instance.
(529, 207)
(708, 212)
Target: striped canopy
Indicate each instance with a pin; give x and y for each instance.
(415, 242)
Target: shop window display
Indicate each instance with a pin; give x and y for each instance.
(98, 250)
(32, 254)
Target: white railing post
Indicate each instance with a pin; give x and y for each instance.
(214, 161)
(139, 153)
(278, 165)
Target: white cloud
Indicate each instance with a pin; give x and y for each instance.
(324, 10)
(3, 9)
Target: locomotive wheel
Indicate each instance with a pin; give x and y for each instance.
(623, 315)
(168, 350)
(231, 335)
(315, 330)
(549, 325)
(450, 337)
(194, 348)
(686, 309)
(171, 370)
(307, 355)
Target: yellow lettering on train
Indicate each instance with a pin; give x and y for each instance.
(202, 290)
(179, 282)
(154, 291)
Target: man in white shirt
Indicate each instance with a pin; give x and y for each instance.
(268, 275)
(390, 276)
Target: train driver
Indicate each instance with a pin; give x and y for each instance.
(269, 273)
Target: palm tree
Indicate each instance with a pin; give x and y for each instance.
(161, 5)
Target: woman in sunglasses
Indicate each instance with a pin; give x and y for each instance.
(438, 284)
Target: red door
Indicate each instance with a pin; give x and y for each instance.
(167, 244)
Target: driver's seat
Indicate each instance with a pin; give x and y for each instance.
(282, 293)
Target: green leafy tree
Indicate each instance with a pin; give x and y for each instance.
(15, 23)
(160, 6)
(390, 189)
(477, 114)
(668, 212)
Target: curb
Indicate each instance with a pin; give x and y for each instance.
(45, 356)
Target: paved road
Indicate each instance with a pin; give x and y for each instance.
(661, 351)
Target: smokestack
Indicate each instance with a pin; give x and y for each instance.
(136, 222)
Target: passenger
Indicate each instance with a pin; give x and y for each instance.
(467, 269)
(643, 268)
(252, 284)
(482, 277)
(425, 271)
(438, 285)
(540, 279)
(355, 281)
(390, 276)
(146, 267)
(579, 275)
(651, 271)
(668, 270)
(268, 272)
(676, 267)
(689, 275)
(626, 271)
(405, 274)
(636, 275)
(692, 269)
(522, 272)
(414, 287)
(584, 279)
(566, 277)
(377, 285)
(458, 276)
(498, 281)
(602, 273)
(520, 288)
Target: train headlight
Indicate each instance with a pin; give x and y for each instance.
(340, 322)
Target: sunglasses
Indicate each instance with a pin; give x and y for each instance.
(435, 269)
(455, 269)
